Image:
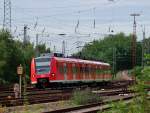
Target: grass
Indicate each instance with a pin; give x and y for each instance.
(85, 97)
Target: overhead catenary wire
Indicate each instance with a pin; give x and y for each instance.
(30, 20)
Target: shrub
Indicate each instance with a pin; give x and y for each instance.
(140, 104)
(85, 97)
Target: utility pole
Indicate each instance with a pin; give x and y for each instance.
(143, 46)
(37, 43)
(63, 47)
(7, 15)
(54, 49)
(25, 40)
(133, 43)
(24, 77)
(114, 61)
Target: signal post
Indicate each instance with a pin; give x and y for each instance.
(20, 73)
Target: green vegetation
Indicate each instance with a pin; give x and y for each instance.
(140, 104)
(12, 54)
(103, 50)
(84, 97)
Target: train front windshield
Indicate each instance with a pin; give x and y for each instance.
(42, 65)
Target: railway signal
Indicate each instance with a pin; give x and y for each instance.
(20, 73)
(20, 70)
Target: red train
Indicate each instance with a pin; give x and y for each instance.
(54, 69)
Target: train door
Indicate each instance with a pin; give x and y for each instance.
(104, 71)
(57, 71)
(100, 73)
(69, 71)
(60, 70)
(94, 72)
(79, 75)
(74, 71)
(83, 77)
(86, 71)
(89, 71)
(65, 70)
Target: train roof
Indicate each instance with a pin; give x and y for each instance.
(81, 61)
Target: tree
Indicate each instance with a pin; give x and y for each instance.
(102, 50)
(12, 54)
(9, 58)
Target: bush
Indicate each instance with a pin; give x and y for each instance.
(140, 104)
(84, 97)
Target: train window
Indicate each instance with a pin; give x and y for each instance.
(102, 71)
(74, 68)
(42, 59)
(98, 71)
(108, 71)
(42, 65)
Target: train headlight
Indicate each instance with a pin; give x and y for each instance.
(33, 75)
(53, 74)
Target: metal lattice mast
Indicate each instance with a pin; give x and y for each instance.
(134, 40)
(7, 15)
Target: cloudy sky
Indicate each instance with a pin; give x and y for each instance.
(54, 17)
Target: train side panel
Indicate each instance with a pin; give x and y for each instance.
(72, 70)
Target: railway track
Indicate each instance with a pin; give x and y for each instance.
(52, 97)
(91, 108)
(35, 96)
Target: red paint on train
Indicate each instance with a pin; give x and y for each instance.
(56, 69)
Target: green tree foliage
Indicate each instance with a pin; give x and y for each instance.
(147, 45)
(42, 48)
(103, 50)
(9, 57)
(140, 104)
(147, 59)
(12, 54)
